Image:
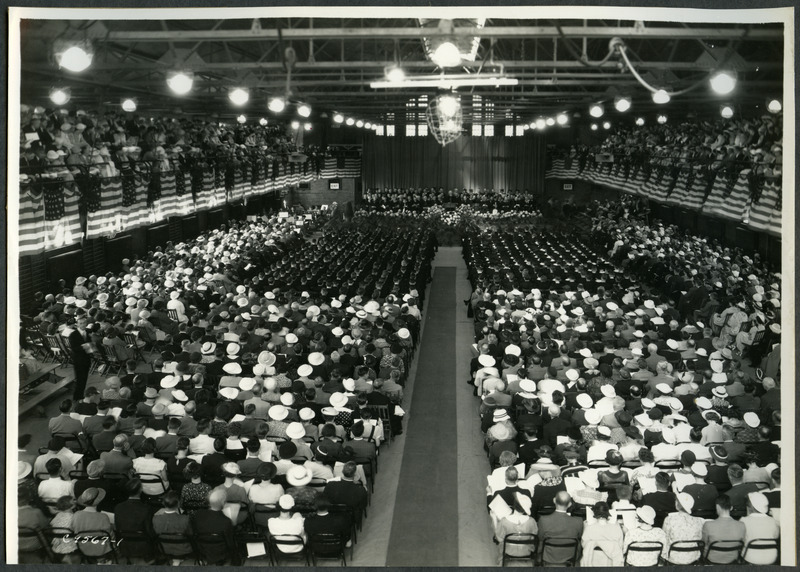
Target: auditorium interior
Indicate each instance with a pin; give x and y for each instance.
(481, 288)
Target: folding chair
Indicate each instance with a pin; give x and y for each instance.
(289, 541)
(91, 538)
(263, 512)
(132, 343)
(173, 315)
(559, 545)
(644, 548)
(207, 544)
(762, 545)
(327, 546)
(53, 533)
(58, 349)
(520, 539)
(42, 548)
(243, 538)
(383, 414)
(112, 360)
(686, 546)
(724, 552)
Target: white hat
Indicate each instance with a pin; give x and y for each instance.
(232, 348)
(586, 352)
(513, 350)
(699, 469)
(573, 374)
(305, 370)
(584, 400)
(527, 385)
(403, 333)
(287, 399)
(593, 416)
(291, 338)
(266, 358)
(229, 392)
(278, 412)
(316, 358)
(664, 388)
(295, 430)
(603, 430)
(608, 390)
(232, 368)
(208, 348)
(169, 382)
(703, 403)
(179, 395)
(298, 476)
(486, 360)
(337, 332)
(686, 501)
(644, 420)
(286, 502)
(752, 420)
(307, 414)
(247, 383)
(338, 400)
(759, 502)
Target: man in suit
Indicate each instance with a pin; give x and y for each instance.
(64, 423)
(212, 520)
(80, 348)
(559, 525)
(326, 522)
(363, 450)
(118, 460)
(212, 464)
(134, 516)
(348, 492)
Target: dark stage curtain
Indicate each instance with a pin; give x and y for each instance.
(516, 163)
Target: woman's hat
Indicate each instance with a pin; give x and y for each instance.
(686, 501)
(585, 400)
(307, 414)
(23, 469)
(316, 358)
(646, 514)
(278, 412)
(229, 392)
(298, 476)
(208, 348)
(295, 430)
(305, 370)
(92, 497)
(338, 400)
(231, 469)
(286, 502)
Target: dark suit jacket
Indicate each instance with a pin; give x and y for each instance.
(135, 515)
(79, 356)
(347, 492)
(212, 468)
(559, 525)
(331, 523)
(207, 521)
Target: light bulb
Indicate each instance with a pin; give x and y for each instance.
(338, 118)
(262, 122)
(307, 126)
(550, 121)
(661, 97)
(75, 59)
(606, 125)
(295, 125)
(367, 125)
(774, 106)
(241, 119)
(446, 55)
(594, 126)
(723, 82)
(129, 105)
(622, 104)
(640, 121)
(596, 110)
(531, 126)
(448, 105)
(396, 74)
(276, 105)
(726, 112)
(239, 96)
(562, 119)
(304, 111)
(59, 96)
(662, 119)
(350, 121)
(541, 123)
(359, 123)
(180, 83)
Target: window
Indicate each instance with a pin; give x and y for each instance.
(509, 130)
(390, 130)
(411, 130)
(379, 131)
(520, 130)
(476, 130)
(422, 129)
(488, 131)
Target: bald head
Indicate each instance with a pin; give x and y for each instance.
(563, 500)
(217, 498)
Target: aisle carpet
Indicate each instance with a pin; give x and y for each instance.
(425, 524)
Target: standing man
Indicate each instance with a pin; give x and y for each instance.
(81, 349)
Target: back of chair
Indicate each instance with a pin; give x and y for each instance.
(724, 552)
(768, 548)
(686, 547)
(289, 545)
(327, 545)
(213, 548)
(174, 544)
(559, 551)
(32, 540)
(651, 548)
(263, 512)
(153, 479)
(524, 541)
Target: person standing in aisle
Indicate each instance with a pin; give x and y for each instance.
(80, 347)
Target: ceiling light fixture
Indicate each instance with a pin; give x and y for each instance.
(295, 125)
(276, 105)
(239, 96)
(562, 119)
(338, 118)
(597, 110)
(446, 55)
(723, 82)
(774, 106)
(541, 124)
(531, 126)
(60, 95)
(307, 126)
(726, 111)
(448, 105)
(662, 119)
(359, 123)
(262, 122)
(241, 119)
(606, 125)
(550, 121)
(622, 104)
(350, 121)
(661, 96)
(594, 126)
(180, 83)
(304, 110)
(367, 125)
(129, 105)
(395, 74)
(74, 59)
(640, 121)
(446, 82)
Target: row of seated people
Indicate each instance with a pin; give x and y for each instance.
(421, 199)
(576, 383)
(268, 515)
(254, 471)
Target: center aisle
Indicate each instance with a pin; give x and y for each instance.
(424, 528)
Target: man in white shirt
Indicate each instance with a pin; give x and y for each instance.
(203, 444)
(53, 488)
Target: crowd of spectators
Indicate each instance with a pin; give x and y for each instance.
(266, 395)
(63, 144)
(421, 199)
(725, 145)
(630, 397)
